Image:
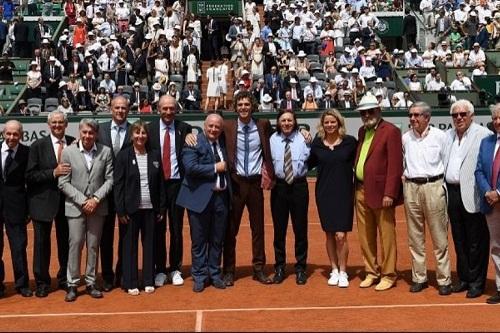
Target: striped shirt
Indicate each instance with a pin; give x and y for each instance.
(142, 163)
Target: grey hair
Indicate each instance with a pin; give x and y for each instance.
(57, 112)
(495, 108)
(426, 109)
(89, 122)
(463, 103)
(13, 121)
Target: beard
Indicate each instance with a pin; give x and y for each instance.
(370, 123)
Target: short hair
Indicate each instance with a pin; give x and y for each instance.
(92, 123)
(340, 120)
(120, 97)
(282, 112)
(426, 109)
(495, 108)
(139, 124)
(13, 121)
(462, 103)
(57, 112)
(248, 95)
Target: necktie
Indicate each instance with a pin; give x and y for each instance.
(109, 64)
(8, 163)
(246, 129)
(294, 93)
(52, 71)
(287, 163)
(289, 107)
(220, 175)
(89, 88)
(59, 150)
(166, 154)
(116, 144)
(496, 169)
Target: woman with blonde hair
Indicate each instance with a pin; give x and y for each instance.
(333, 153)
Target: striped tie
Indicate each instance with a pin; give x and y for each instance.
(287, 166)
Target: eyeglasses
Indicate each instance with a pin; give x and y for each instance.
(416, 115)
(461, 114)
(365, 112)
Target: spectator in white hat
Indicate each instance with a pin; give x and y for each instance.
(314, 89)
(414, 60)
(379, 88)
(477, 55)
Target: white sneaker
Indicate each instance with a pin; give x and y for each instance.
(343, 280)
(133, 292)
(160, 279)
(149, 289)
(176, 278)
(334, 277)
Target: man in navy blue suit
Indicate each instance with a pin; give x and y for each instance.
(205, 193)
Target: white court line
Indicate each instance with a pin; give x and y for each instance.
(199, 321)
(200, 311)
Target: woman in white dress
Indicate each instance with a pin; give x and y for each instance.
(223, 72)
(175, 56)
(257, 57)
(213, 89)
(161, 67)
(192, 67)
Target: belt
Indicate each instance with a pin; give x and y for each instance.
(300, 180)
(249, 178)
(425, 180)
(453, 186)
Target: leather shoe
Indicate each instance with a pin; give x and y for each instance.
(279, 276)
(301, 278)
(63, 286)
(444, 290)
(25, 292)
(474, 292)
(417, 287)
(368, 282)
(218, 284)
(495, 299)
(261, 277)
(384, 285)
(71, 294)
(107, 286)
(459, 287)
(228, 279)
(42, 291)
(94, 292)
(198, 287)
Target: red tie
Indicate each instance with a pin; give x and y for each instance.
(166, 154)
(496, 169)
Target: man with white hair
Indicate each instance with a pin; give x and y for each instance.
(367, 71)
(461, 83)
(414, 60)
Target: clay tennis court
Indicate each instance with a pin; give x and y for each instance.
(249, 306)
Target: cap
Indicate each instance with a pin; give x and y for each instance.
(22, 101)
(241, 82)
(414, 50)
(476, 44)
(33, 63)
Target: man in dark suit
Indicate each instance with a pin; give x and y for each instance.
(21, 47)
(14, 211)
(39, 30)
(82, 101)
(273, 78)
(46, 203)
(213, 38)
(63, 54)
(186, 50)
(205, 193)
(136, 97)
(168, 135)
(113, 134)
(270, 50)
(288, 103)
(191, 98)
(327, 102)
(409, 29)
(90, 84)
(51, 76)
(378, 167)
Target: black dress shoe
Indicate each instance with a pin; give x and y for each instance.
(42, 291)
(107, 286)
(417, 287)
(459, 287)
(228, 279)
(63, 286)
(198, 287)
(219, 284)
(94, 292)
(25, 292)
(261, 277)
(301, 278)
(444, 290)
(71, 294)
(474, 292)
(495, 299)
(279, 276)
(2, 292)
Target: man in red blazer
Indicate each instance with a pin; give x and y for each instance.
(379, 167)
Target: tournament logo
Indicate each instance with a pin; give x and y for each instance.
(383, 26)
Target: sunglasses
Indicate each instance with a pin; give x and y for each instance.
(367, 112)
(416, 115)
(461, 114)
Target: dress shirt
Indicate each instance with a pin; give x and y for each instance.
(457, 155)
(123, 132)
(174, 166)
(5, 153)
(423, 155)
(300, 153)
(55, 144)
(88, 155)
(255, 157)
(142, 164)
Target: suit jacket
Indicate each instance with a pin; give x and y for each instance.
(60, 54)
(268, 79)
(230, 135)
(127, 194)
(484, 171)
(181, 130)
(322, 104)
(71, 66)
(46, 74)
(13, 197)
(284, 102)
(37, 36)
(383, 166)
(82, 102)
(104, 136)
(94, 85)
(21, 32)
(133, 98)
(199, 181)
(81, 184)
(185, 52)
(409, 25)
(43, 193)
(191, 105)
(468, 188)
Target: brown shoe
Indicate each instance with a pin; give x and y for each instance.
(368, 282)
(384, 285)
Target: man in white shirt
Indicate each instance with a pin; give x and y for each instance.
(425, 197)
(461, 14)
(367, 71)
(461, 83)
(367, 17)
(313, 88)
(414, 60)
(427, 8)
(108, 84)
(476, 54)
(435, 84)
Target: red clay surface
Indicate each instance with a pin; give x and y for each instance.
(249, 306)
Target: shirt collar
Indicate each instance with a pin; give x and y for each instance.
(80, 146)
(164, 125)
(424, 133)
(5, 147)
(242, 124)
(122, 126)
(291, 137)
(56, 140)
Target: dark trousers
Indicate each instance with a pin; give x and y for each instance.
(21, 49)
(42, 249)
(207, 235)
(296, 45)
(142, 221)
(290, 200)
(471, 239)
(107, 244)
(214, 47)
(18, 240)
(246, 192)
(175, 220)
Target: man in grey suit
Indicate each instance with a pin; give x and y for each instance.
(468, 224)
(86, 188)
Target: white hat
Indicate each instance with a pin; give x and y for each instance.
(267, 98)
(78, 45)
(444, 42)
(81, 89)
(112, 37)
(137, 84)
(327, 93)
(244, 72)
(357, 40)
(313, 79)
(270, 35)
(156, 86)
(90, 33)
(45, 41)
(292, 80)
(52, 58)
(301, 54)
(344, 70)
(79, 20)
(87, 54)
(354, 71)
(148, 36)
(368, 102)
(395, 51)
(33, 63)
(379, 80)
(361, 48)
(241, 82)
(368, 59)
(172, 83)
(65, 30)
(472, 14)
(177, 26)
(292, 69)
(414, 50)
(476, 44)
(63, 38)
(62, 84)
(131, 29)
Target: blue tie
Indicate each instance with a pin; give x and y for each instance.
(247, 148)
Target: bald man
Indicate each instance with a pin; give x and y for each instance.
(13, 207)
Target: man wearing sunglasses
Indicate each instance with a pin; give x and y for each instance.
(425, 197)
(378, 167)
(468, 224)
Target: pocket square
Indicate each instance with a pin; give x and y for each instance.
(156, 164)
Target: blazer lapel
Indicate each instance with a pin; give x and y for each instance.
(376, 137)
(48, 147)
(178, 136)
